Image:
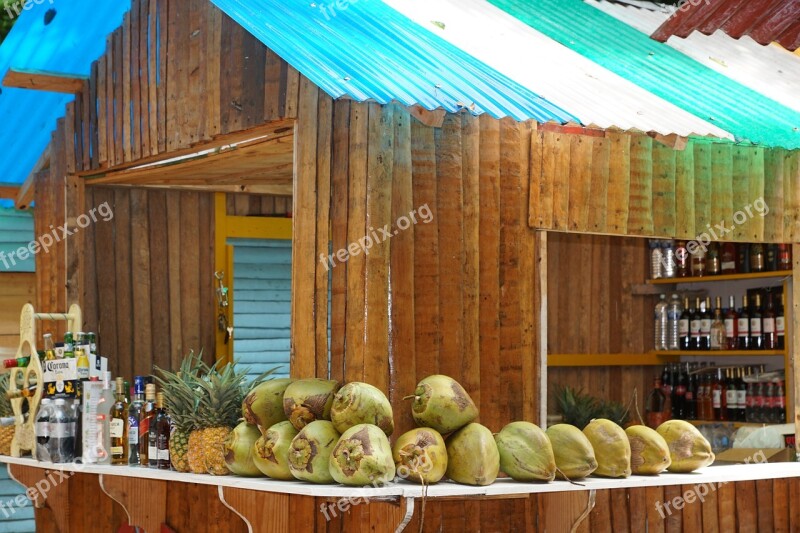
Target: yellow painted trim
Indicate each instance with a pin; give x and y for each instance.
(609, 359)
(259, 227)
(238, 227)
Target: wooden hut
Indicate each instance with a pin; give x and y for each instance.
(526, 252)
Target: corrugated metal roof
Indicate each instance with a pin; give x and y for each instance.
(772, 70)
(74, 38)
(591, 92)
(668, 73)
(369, 51)
(765, 21)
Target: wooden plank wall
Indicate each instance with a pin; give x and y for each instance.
(18, 289)
(628, 184)
(591, 310)
(250, 205)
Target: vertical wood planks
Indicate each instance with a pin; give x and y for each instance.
(791, 196)
(721, 197)
(619, 182)
(323, 171)
(556, 154)
(755, 180)
(664, 173)
(580, 181)
(598, 193)
(304, 258)
(773, 195)
(640, 214)
(684, 193)
(702, 186)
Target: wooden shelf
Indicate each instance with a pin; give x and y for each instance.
(722, 277)
(610, 359)
(717, 353)
(733, 423)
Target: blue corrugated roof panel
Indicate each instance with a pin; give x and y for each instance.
(74, 38)
(369, 51)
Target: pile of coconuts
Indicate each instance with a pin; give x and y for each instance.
(317, 431)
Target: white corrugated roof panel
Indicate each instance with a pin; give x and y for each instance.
(771, 70)
(592, 93)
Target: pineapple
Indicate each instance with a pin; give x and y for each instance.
(6, 432)
(220, 396)
(181, 402)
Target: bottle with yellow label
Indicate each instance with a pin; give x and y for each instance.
(82, 364)
(119, 427)
(49, 347)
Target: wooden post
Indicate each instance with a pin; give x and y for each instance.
(540, 295)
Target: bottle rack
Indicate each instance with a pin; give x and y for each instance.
(24, 434)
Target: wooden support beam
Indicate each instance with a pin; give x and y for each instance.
(434, 118)
(55, 82)
(9, 191)
(24, 196)
(47, 488)
(144, 500)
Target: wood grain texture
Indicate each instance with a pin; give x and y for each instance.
(144, 500)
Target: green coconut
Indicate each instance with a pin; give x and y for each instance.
(271, 451)
(420, 455)
(572, 450)
(688, 448)
(525, 452)
(310, 452)
(363, 456)
(472, 456)
(263, 405)
(239, 450)
(611, 448)
(361, 403)
(307, 400)
(441, 403)
(649, 451)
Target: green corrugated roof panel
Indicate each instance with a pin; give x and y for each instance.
(658, 68)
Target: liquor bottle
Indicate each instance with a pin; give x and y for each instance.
(666, 389)
(709, 396)
(757, 257)
(698, 262)
(162, 426)
(656, 405)
(684, 333)
(21, 393)
(679, 408)
(769, 332)
(127, 390)
(145, 420)
(691, 392)
(741, 394)
(49, 347)
(719, 397)
(728, 258)
(661, 323)
(19, 362)
(731, 396)
(731, 323)
(771, 259)
(134, 412)
(91, 340)
(705, 325)
(759, 401)
(694, 325)
(756, 331)
(744, 325)
(682, 267)
(712, 259)
(743, 258)
(784, 257)
(119, 427)
(780, 324)
(674, 310)
(717, 339)
(750, 403)
(780, 397)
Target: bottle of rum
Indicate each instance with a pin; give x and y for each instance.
(162, 429)
(656, 406)
(758, 257)
(119, 427)
(743, 258)
(145, 420)
(756, 331)
(728, 258)
(698, 262)
(744, 325)
(784, 257)
(134, 412)
(712, 259)
(731, 323)
(682, 267)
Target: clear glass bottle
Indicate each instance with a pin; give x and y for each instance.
(49, 347)
(706, 318)
(731, 323)
(134, 413)
(669, 269)
(674, 311)
(119, 426)
(656, 259)
(661, 323)
(718, 334)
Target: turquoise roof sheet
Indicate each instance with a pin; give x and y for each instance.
(748, 114)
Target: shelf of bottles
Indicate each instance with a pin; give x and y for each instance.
(701, 393)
